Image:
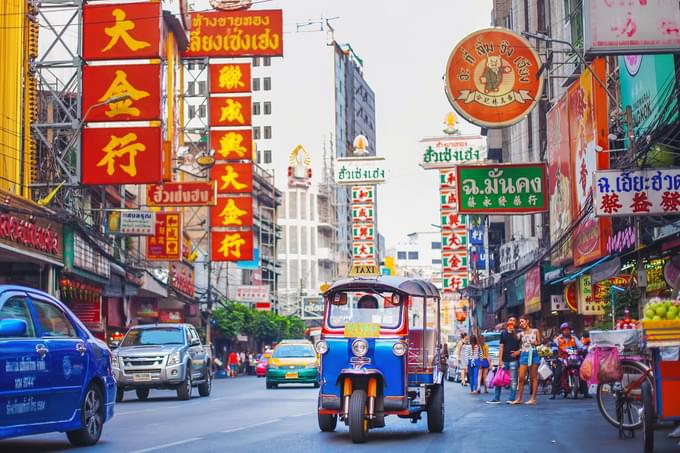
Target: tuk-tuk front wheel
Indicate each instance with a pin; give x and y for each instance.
(327, 422)
(435, 409)
(358, 424)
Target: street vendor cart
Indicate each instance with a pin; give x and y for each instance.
(661, 403)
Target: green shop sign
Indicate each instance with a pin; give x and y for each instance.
(502, 189)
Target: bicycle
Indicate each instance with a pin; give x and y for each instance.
(620, 403)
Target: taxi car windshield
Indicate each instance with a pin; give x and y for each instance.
(293, 351)
(365, 307)
(156, 336)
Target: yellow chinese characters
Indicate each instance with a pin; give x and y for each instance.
(121, 87)
(231, 245)
(230, 143)
(231, 214)
(231, 77)
(231, 112)
(230, 179)
(119, 147)
(121, 30)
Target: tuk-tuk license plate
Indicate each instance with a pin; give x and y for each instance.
(292, 375)
(141, 377)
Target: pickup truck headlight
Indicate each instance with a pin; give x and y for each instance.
(174, 358)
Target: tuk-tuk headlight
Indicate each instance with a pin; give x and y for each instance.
(360, 347)
(321, 347)
(399, 348)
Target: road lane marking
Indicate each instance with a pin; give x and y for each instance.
(254, 425)
(173, 444)
(134, 412)
(303, 414)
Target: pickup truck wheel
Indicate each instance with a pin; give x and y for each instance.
(184, 389)
(205, 387)
(91, 419)
(142, 394)
(120, 394)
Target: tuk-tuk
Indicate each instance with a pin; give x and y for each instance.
(380, 346)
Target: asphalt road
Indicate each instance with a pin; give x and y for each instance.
(242, 416)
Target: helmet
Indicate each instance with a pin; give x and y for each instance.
(565, 325)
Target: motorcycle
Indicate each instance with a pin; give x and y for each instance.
(571, 382)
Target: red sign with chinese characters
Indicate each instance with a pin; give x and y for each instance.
(165, 245)
(182, 194)
(231, 245)
(122, 31)
(181, 278)
(232, 212)
(232, 144)
(230, 78)
(236, 34)
(141, 83)
(233, 177)
(231, 111)
(114, 155)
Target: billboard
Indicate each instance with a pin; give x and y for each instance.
(631, 27)
(451, 150)
(639, 192)
(588, 130)
(559, 177)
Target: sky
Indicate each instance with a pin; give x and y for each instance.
(405, 46)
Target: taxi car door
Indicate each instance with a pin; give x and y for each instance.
(67, 356)
(25, 397)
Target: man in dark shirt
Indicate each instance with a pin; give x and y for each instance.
(508, 358)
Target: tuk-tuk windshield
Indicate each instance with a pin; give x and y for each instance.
(382, 308)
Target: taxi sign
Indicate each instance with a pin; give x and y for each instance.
(364, 270)
(362, 330)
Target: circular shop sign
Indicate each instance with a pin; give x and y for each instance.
(491, 78)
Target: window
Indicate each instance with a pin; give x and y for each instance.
(191, 88)
(256, 84)
(256, 133)
(202, 111)
(259, 156)
(190, 65)
(53, 321)
(413, 255)
(436, 245)
(303, 205)
(192, 112)
(17, 308)
(292, 206)
(267, 132)
(267, 156)
(267, 83)
(256, 61)
(435, 261)
(267, 61)
(267, 108)
(202, 91)
(256, 108)
(401, 255)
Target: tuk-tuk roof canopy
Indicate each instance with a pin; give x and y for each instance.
(410, 286)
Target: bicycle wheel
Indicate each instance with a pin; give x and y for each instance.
(620, 402)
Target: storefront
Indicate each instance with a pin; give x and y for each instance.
(85, 275)
(121, 287)
(143, 308)
(181, 295)
(31, 248)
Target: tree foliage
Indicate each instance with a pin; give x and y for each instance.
(233, 319)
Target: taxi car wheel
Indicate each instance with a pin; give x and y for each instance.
(91, 419)
(358, 425)
(184, 389)
(142, 394)
(120, 395)
(435, 409)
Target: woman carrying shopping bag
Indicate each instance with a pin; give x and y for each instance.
(528, 360)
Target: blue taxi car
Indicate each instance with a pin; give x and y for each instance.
(54, 375)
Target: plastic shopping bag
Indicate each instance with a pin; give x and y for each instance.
(502, 378)
(609, 365)
(587, 367)
(489, 378)
(544, 370)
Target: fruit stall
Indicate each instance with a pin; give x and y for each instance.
(661, 333)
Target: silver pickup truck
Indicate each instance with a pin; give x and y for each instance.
(162, 356)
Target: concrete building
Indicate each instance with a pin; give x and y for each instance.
(420, 256)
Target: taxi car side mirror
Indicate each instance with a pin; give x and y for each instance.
(12, 328)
